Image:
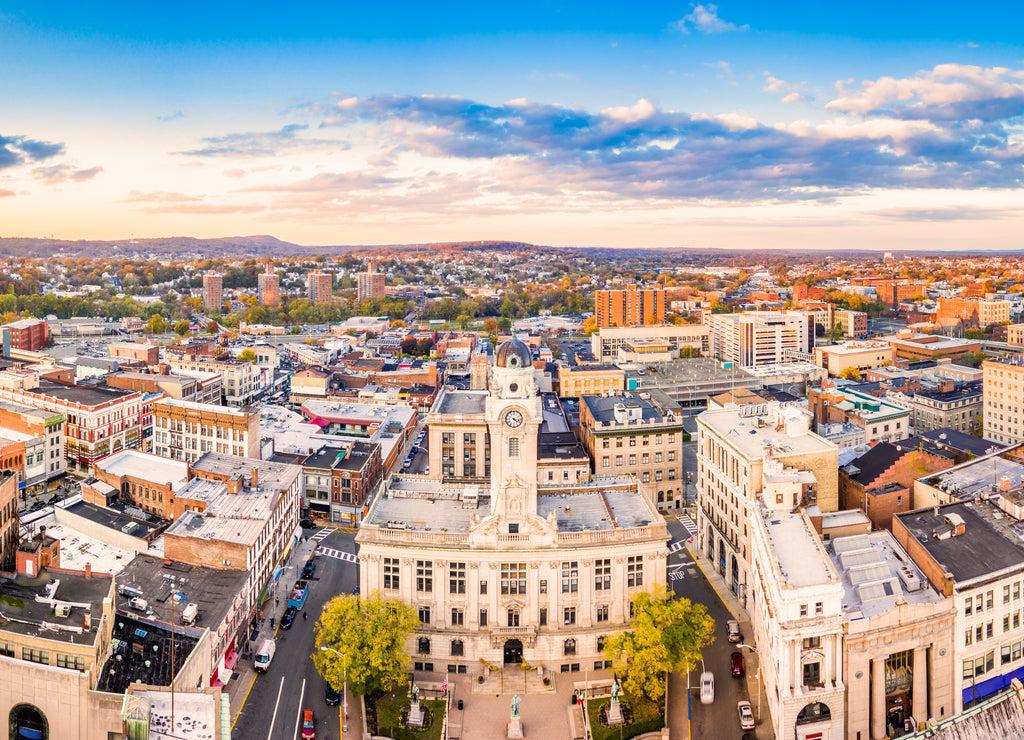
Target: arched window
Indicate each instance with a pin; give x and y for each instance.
(569, 646)
(816, 712)
(27, 723)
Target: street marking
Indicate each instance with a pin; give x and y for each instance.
(322, 534)
(272, 719)
(677, 546)
(688, 524)
(339, 555)
(298, 715)
(676, 575)
(244, 700)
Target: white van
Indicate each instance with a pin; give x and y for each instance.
(263, 656)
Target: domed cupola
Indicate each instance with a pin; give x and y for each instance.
(513, 354)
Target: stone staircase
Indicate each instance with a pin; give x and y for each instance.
(512, 679)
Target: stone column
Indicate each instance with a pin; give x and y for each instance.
(920, 690)
(878, 697)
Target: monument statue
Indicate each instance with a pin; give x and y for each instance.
(615, 692)
(515, 705)
(415, 694)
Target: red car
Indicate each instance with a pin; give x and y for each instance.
(737, 665)
(308, 725)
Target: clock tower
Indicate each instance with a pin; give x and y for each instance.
(513, 414)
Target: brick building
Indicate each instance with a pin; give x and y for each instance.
(8, 519)
(976, 312)
(213, 291)
(369, 284)
(319, 286)
(148, 354)
(269, 285)
(30, 335)
(633, 306)
(341, 478)
(149, 482)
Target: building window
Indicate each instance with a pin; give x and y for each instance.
(513, 617)
(483, 587)
(424, 646)
(570, 576)
(391, 573)
(988, 600)
(600, 643)
(543, 617)
(569, 647)
(35, 656)
(457, 578)
(569, 615)
(483, 617)
(803, 610)
(635, 571)
(988, 629)
(513, 447)
(812, 643)
(968, 639)
(424, 575)
(75, 662)
(602, 614)
(458, 647)
(618, 461)
(819, 608)
(513, 578)
(458, 618)
(812, 674)
(424, 614)
(544, 586)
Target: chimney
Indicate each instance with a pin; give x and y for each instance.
(255, 476)
(234, 484)
(88, 570)
(87, 619)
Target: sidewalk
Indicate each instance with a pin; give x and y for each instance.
(244, 675)
(755, 687)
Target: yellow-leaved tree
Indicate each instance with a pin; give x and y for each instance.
(367, 640)
(667, 635)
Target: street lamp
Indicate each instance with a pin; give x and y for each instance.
(756, 676)
(344, 687)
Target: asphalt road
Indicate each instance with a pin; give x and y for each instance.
(719, 720)
(273, 709)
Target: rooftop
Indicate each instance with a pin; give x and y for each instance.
(78, 549)
(28, 604)
(874, 462)
(115, 519)
(274, 476)
(205, 407)
(854, 348)
(947, 437)
(460, 402)
(145, 466)
(195, 715)
(140, 652)
(981, 476)
(797, 551)
(751, 428)
(877, 574)
(991, 541)
(87, 395)
(643, 405)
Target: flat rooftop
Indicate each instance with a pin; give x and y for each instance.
(274, 476)
(749, 431)
(981, 476)
(870, 567)
(991, 542)
(87, 395)
(118, 519)
(195, 715)
(854, 348)
(78, 549)
(140, 652)
(27, 604)
(146, 466)
(460, 402)
(795, 545)
(602, 408)
(206, 407)
(211, 590)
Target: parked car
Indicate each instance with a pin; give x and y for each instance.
(307, 524)
(746, 715)
(707, 687)
(737, 664)
(288, 617)
(331, 696)
(734, 630)
(308, 725)
(307, 570)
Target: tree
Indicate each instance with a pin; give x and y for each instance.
(247, 355)
(463, 320)
(838, 332)
(667, 635)
(504, 325)
(181, 328)
(157, 324)
(370, 634)
(850, 373)
(490, 326)
(212, 327)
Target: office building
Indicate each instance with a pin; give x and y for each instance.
(974, 312)
(184, 430)
(30, 335)
(606, 342)
(1003, 399)
(761, 337)
(860, 355)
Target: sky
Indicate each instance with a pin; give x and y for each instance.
(741, 125)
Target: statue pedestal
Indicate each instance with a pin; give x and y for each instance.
(614, 713)
(515, 728)
(416, 715)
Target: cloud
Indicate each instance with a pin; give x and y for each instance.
(58, 173)
(263, 143)
(7, 193)
(171, 117)
(724, 70)
(959, 213)
(948, 92)
(642, 152)
(16, 150)
(791, 93)
(704, 19)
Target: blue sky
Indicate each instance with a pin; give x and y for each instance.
(737, 125)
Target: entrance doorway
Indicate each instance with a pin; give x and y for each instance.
(513, 651)
(27, 723)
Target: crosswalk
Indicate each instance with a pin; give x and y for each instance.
(338, 555)
(322, 534)
(691, 531)
(688, 524)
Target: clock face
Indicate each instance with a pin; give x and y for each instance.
(513, 418)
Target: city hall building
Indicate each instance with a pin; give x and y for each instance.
(512, 568)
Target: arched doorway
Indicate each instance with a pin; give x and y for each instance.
(711, 544)
(816, 712)
(721, 557)
(27, 723)
(513, 651)
(735, 575)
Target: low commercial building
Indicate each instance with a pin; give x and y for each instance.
(242, 380)
(148, 482)
(588, 380)
(148, 354)
(881, 420)
(637, 434)
(971, 552)
(183, 430)
(341, 479)
(913, 347)
(952, 405)
(42, 433)
(859, 355)
(606, 341)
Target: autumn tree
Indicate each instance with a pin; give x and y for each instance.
(157, 324)
(181, 328)
(247, 355)
(850, 373)
(369, 636)
(667, 635)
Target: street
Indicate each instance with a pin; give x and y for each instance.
(719, 719)
(273, 707)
